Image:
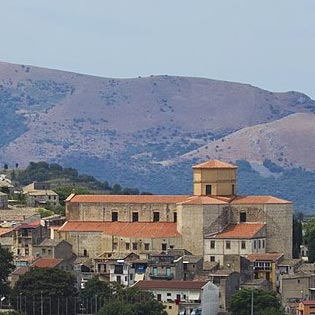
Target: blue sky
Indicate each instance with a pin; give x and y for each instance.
(270, 44)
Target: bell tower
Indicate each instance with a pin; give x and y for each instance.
(214, 178)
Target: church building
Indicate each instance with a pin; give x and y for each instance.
(214, 221)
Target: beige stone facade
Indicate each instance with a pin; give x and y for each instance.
(213, 206)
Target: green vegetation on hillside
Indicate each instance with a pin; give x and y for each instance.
(66, 180)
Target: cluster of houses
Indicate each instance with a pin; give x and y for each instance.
(192, 252)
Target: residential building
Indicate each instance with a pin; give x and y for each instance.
(51, 248)
(39, 194)
(184, 296)
(265, 266)
(26, 235)
(235, 239)
(306, 308)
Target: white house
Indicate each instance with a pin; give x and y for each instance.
(184, 296)
(235, 239)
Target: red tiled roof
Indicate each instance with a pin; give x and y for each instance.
(242, 230)
(125, 229)
(264, 257)
(32, 225)
(172, 284)
(202, 200)
(5, 231)
(308, 302)
(46, 263)
(21, 270)
(258, 200)
(214, 164)
(127, 198)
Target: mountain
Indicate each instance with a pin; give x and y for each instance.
(147, 132)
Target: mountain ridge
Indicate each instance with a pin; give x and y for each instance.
(122, 130)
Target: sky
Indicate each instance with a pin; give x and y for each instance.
(269, 44)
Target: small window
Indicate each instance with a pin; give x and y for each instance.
(115, 246)
(127, 246)
(159, 297)
(233, 189)
(212, 244)
(43, 251)
(208, 189)
(263, 244)
(175, 217)
(254, 244)
(156, 216)
(134, 246)
(169, 294)
(259, 244)
(243, 217)
(85, 253)
(49, 251)
(164, 246)
(135, 216)
(212, 258)
(114, 216)
(228, 244)
(146, 246)
(243, 245)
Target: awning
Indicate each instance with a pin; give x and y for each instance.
(192, 296)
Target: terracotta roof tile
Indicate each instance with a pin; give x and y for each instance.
(242, 230)
(32, 225)
(46, 263)
(5, 230)
(264, 257)
(202, 200)
(125, 229)
(127, 198)
(308, 302)
(214, 164)
(173, 284)
(258, 200)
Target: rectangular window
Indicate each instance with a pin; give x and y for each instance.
(243, 245)
(254, 244)
(175, 217)
(159, 297)
(212, 244)
(168, 271)
(243, 217)
(156, 216)
(208, 189)
(134, 246)
(114, 216)
(259, 244)
(146, 246)
(212, 258)
(135, 216)
(228, 244)
(164, 246)
(263, 243)
(115, 246)
(127, 246)
(233, 189)
(169, 294)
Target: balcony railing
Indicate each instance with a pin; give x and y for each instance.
(162, 276)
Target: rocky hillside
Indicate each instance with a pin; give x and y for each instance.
(146, 132)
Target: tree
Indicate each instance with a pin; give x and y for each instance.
(95, 294)
(6, 267)
(309, 239)
(132, 301)
(297, 234)
(51, 290)
(264, 302)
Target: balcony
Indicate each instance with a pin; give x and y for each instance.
(162, 276)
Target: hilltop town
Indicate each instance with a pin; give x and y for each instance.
(192, 252)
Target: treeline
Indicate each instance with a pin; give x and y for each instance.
(59, 176)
